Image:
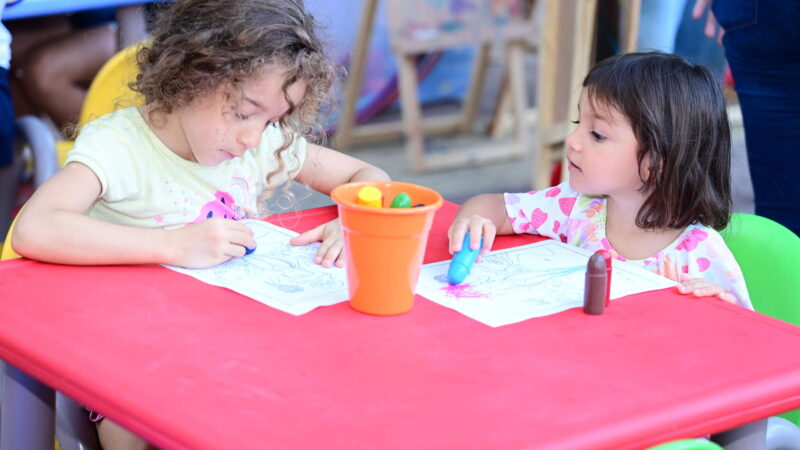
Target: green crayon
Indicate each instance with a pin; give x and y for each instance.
(401, 200)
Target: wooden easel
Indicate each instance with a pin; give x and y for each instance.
(567, 46)
(515, 37)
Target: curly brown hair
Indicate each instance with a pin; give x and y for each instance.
(198, 46)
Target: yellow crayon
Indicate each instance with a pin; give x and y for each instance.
(370, 196)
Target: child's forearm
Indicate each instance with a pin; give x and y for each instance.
(370, 173)
(67, 237)
(490, 206)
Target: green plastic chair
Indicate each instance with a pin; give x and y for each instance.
(688, 444)
(769, 255)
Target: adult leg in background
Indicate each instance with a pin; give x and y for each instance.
(762, 46)
(57, 74)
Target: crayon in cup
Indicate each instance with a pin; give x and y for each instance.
(401, 200)
(370, 196)
(384, 247)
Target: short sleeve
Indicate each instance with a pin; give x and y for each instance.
(711, 259)
(544, 212)
(108, 152)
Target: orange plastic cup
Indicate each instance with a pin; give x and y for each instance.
(384, 247)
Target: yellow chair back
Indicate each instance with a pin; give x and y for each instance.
(109, 91)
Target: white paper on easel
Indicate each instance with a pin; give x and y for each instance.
(534, 280)
(277, 273)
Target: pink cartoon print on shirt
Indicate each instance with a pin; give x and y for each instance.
(223, 206)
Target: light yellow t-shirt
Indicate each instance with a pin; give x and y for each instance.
(144, 184)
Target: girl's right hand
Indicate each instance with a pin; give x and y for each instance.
(209, 243)
(478, 226)
(700, 287)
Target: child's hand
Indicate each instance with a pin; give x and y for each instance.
(477, 226)
(330, 251)
(209, 243)
(700, 287)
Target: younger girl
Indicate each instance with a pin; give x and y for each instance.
(230, 87)
(649, 178)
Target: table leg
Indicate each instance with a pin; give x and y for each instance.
(750, 436)
(27, 420)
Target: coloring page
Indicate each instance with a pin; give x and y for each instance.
(277, 273)
(519, 283)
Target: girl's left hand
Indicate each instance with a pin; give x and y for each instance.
(330, 251)
(700, 287)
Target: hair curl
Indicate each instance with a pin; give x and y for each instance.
(198, 46)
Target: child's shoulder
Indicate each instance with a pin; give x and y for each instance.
(117, 139)
(558, 212)
(562, 197)
(703, 241)
(124, 121)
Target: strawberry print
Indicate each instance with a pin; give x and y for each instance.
(538, 218)
(566, 204)
(695, 237)
(564, 215)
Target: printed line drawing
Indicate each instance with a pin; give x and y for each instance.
(534, 280)
(277, 273)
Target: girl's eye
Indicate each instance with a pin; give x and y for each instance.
(241, 116)
(597, 136)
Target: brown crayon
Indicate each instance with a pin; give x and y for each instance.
(594, 295)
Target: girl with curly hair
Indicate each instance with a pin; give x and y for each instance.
(231, 93)
(232, 90)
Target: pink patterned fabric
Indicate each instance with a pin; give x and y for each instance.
(576, 219)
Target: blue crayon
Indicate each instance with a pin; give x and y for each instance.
(248, 251)
(462, 261)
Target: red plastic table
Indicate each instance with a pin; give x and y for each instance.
(189, 365)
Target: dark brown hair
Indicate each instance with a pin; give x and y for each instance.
(198, 46)
(678, 115)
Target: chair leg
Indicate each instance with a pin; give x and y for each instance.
(782, 434)
(27, 419)
(9, 181)
(74, 430)
(43, 146)
(751, 436)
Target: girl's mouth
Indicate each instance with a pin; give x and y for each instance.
(572, 167)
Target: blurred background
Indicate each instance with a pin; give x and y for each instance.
(489, 81)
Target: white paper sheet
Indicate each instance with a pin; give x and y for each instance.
(277, 273)
(516, 284)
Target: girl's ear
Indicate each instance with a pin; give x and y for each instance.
(645, 168)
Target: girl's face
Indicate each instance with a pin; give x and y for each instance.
(601, 152)
(220, 127)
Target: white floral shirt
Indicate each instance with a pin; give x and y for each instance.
(576, 219)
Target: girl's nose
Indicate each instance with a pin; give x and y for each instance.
(572, 140)
(250, 137)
